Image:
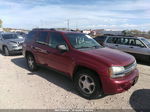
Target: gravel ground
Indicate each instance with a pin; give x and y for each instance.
(45, 89)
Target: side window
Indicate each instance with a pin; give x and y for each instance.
(31, 35)
(122, 41)
(112, 40)
(139, 43)
(132, 42)
(42, 37)
(119, 40)
(56, 39)
(125, 41)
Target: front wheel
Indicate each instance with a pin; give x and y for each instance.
(6, 51)
(31, 63)
(88, 84)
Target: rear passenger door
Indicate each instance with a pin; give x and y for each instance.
(111, 42)
(40, 47)
(120, 43)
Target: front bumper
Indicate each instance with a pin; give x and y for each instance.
(15, 49)
(118, 85)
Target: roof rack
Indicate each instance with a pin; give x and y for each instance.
(44, 29)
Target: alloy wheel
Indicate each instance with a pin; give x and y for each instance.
(86, 83)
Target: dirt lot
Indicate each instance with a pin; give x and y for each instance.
(45, 89)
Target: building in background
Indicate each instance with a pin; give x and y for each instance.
(106, 32)
(87, 31)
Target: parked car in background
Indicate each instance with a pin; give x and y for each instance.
(22, 34)
(95, 70)
(137, 46)
(11, 43)
(100, 39)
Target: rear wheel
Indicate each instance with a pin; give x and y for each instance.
(6, 51)
(31, 63)
(88, 84)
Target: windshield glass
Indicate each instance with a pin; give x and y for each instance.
(146, 41)
(10, 36)
(81, 41)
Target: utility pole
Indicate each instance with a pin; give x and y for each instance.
(68, 24)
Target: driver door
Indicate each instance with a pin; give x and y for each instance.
(56, 59)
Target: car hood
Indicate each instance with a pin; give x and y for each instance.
(15, 40)
(111, 56)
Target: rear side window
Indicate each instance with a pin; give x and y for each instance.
(125, 41)
(120, 40)
(56, 39)
(42, 37)
(31, 35)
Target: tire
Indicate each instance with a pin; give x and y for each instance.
(6, 51)
(31, 63)
(88, 84)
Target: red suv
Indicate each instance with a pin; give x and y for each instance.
(95, 70)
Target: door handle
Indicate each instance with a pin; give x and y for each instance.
(117, 45)
(131, 47)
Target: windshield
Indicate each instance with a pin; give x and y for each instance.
(81, 41)
(146, 41)
(10, 36)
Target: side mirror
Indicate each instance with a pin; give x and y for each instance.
(62, 48)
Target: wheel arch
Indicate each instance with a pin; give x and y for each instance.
(3, 46)
(81, 67)
(28, 53)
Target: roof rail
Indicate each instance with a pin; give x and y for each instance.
(43, 29)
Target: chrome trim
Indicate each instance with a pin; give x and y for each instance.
(126, 71)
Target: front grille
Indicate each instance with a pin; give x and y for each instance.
(20, 44)
(130, 67)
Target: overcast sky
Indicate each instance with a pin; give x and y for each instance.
(83, 14)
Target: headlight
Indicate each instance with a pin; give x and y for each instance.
(116, 71)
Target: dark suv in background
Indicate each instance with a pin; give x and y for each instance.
(95, 70)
